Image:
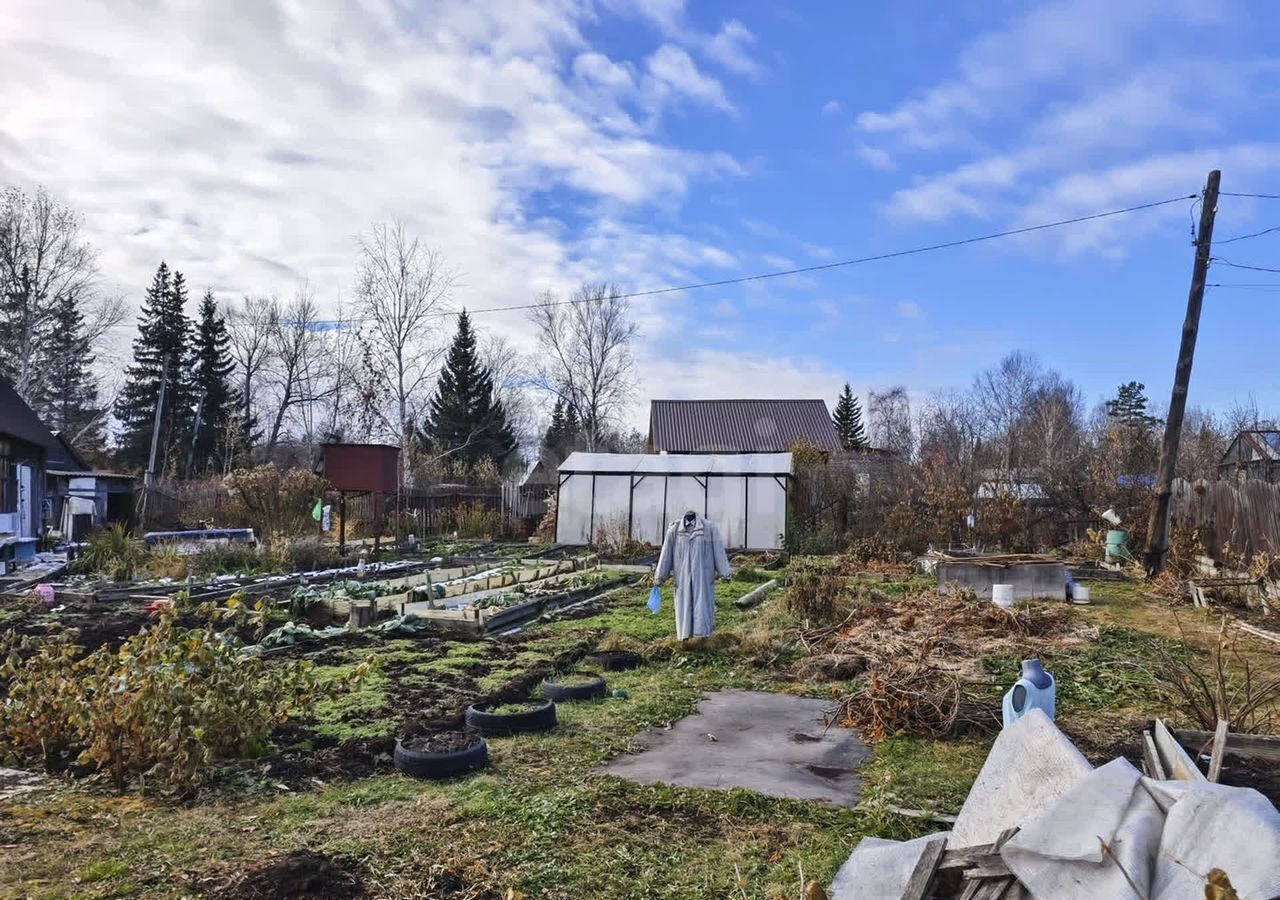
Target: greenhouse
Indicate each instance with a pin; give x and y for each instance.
(640, 493)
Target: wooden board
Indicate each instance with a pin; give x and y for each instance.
(1254, 746)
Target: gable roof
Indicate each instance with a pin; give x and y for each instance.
(1253, 445)
(17, 420)
(739, 426)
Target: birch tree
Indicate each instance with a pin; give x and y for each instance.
(249, 326)
(586, 359)
(403, 290)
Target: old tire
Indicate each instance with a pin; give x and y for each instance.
(595, 689)
(540, 718)
(441, 765)
(615, 660)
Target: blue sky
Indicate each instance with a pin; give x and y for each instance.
(537, 143)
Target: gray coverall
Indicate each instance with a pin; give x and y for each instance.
(695, 555)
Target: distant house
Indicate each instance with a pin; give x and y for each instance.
(1253, 454)
(25, 445)
(739, 426)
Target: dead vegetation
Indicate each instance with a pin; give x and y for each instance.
(1229, 687)
(915, 661)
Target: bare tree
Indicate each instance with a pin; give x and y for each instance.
(298, 363)
(586, 357)
(889, 415)
(510, 371)
(403, 289)
(43, 260)
(250, 327)
(1004, 393)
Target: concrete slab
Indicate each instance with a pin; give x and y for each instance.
(774, 744)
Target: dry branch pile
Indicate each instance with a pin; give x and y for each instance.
(913, 659)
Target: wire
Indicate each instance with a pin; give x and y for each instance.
(1224, 262)
(1266, 286)
(896, 254)
(1245, 237)
(1255, 196)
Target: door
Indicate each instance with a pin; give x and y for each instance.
(26, 503)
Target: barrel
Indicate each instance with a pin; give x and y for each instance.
(1116, 549)
(1002, 595)
(1080, 595)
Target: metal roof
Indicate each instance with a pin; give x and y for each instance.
(677, 464)
(739, 426)
(17, 420)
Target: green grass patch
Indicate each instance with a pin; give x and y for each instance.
(104, 870)
(354, 714)
(918, 773)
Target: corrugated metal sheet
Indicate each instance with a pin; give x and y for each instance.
(739, 426)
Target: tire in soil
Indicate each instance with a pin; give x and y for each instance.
(594, 689)
(441, 765)
(539, 718)
(614, 660)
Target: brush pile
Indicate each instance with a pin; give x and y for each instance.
(914, 660)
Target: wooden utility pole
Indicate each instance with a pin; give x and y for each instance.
(1158, 525)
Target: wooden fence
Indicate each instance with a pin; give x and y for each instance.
(1244, 515)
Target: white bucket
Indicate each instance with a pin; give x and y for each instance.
(1002, 595)
(1080, 595)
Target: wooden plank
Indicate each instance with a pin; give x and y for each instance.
(1254, 746)
(1151, 758)
(994, 870)
(1218, 751)
(1175, 761)
(971, 890)
(1257, 632)
(921, 882)
(993, 889)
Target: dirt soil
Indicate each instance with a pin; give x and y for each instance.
(419, 707)
(297, 875)
(442, 742)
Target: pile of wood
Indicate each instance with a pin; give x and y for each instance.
(974, 873)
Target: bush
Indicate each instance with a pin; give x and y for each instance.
(476, 520)
(275, 504)
(114, 554)
(161, 708)
(816, 597)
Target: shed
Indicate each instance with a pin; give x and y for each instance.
(25, 445)
(641, 493)
(372, 469)
(739, 426)
(1253, 454)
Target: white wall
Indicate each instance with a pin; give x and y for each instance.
(751, 512)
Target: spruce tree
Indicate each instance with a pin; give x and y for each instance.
(1129, 407)
(162, 335)
(847, 420)
(572, 434)
(551, 441)
(67, 401)
(463, 418)
(215, 400)
(1136, 428)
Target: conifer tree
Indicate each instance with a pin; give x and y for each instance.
(847, 420)
(163, 334)
(463, 418)
(555, 431)
(215, 400)
(68, 399)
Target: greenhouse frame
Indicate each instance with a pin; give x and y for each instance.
(641, 493)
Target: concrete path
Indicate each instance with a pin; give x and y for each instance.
(774, 744)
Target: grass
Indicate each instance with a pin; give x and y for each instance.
(354, 714)
(542, 820)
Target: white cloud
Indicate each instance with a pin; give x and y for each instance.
(875, 157)
(729, 46)
(676, 73)
(250, 150)
(909, 310)
(777, 261)
(832, 108)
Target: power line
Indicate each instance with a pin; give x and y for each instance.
(1254, 196)
(860, 260)
(1225, 262)
(1266, 286)
(1245, 237)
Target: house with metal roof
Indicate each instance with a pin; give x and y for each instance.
(739, 426)
(1253, 454)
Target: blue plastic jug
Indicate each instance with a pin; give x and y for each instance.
(1035, 689)
(655, 600)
